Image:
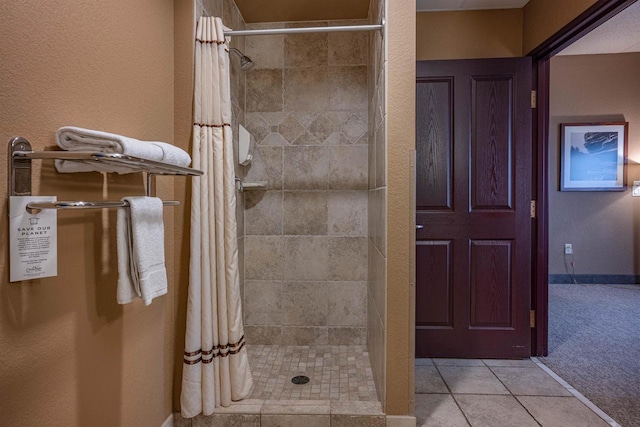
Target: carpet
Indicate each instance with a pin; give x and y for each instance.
(594, 345)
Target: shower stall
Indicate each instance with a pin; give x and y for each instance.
(312, 250)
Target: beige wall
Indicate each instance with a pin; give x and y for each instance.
(184, 56)
(603, 226)
(400, 134)
(184, 33)
(469, 34)
(296, 10)
(543, 18)
(492, 33)
(70, 354)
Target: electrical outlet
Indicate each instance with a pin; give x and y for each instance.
(568, 249)
(635, 191)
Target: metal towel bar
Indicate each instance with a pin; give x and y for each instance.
(136, 164)
(88, 205)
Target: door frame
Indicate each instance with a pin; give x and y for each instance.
(595, 15)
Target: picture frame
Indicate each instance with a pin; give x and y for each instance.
(593, 156)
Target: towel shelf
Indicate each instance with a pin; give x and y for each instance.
(136, 163)
(20, 156)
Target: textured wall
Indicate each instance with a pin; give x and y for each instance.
(469, 34)
(543, 18)
(377, 209)
(305, 244)
(400, 222)
(604, 227)
(302, 10)
(70, 354)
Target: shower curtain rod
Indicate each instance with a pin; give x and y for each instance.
(273, 31)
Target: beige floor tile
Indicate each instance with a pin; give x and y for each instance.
(471, 380)
(355, 408)
(358, 421)
(428, 380)
(438, 410)
(295, 420)
(529, 382)
(494, 411)
(521, 363)
(297, 408)
(457, 362)
(561, 411)
(227, 420)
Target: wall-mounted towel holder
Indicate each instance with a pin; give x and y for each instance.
(21, 154)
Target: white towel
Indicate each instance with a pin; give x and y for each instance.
(140, 242)
(79, 139)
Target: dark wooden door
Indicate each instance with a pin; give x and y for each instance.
(473, 216)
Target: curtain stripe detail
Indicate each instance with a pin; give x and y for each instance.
(212, 126)
(216, 351)
(210, 41)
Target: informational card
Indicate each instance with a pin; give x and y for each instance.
(33, 239)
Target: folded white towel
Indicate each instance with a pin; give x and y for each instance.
(79, 139)
(140, 242)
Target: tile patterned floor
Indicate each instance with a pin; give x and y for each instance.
(336, 372)
(340, 393)
(494, 393)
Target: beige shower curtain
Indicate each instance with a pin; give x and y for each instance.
(215, 369)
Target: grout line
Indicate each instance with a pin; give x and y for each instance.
(589, 404)
(452, 395)
(472, 394)
(512, 395)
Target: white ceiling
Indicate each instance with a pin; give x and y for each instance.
(619, 34)
(445, 5)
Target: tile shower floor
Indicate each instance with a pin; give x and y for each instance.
(340, 393)
(339, 372)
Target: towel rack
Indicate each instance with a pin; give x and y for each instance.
(20, 156)
(88, 205)
(114, 159)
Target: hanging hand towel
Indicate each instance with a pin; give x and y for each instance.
(78, 139)
(140, 242)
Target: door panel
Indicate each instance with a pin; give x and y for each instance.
(473, 188)
(491, 283)
(491, 142)
(435, 181)
(438, 299)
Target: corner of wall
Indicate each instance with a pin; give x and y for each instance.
(400, 124)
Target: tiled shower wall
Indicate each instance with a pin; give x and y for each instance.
(306, 237)
(232, 18)
(377, 208)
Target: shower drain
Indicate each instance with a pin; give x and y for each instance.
(300, 379)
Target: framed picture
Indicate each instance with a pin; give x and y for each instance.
(593, 156)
